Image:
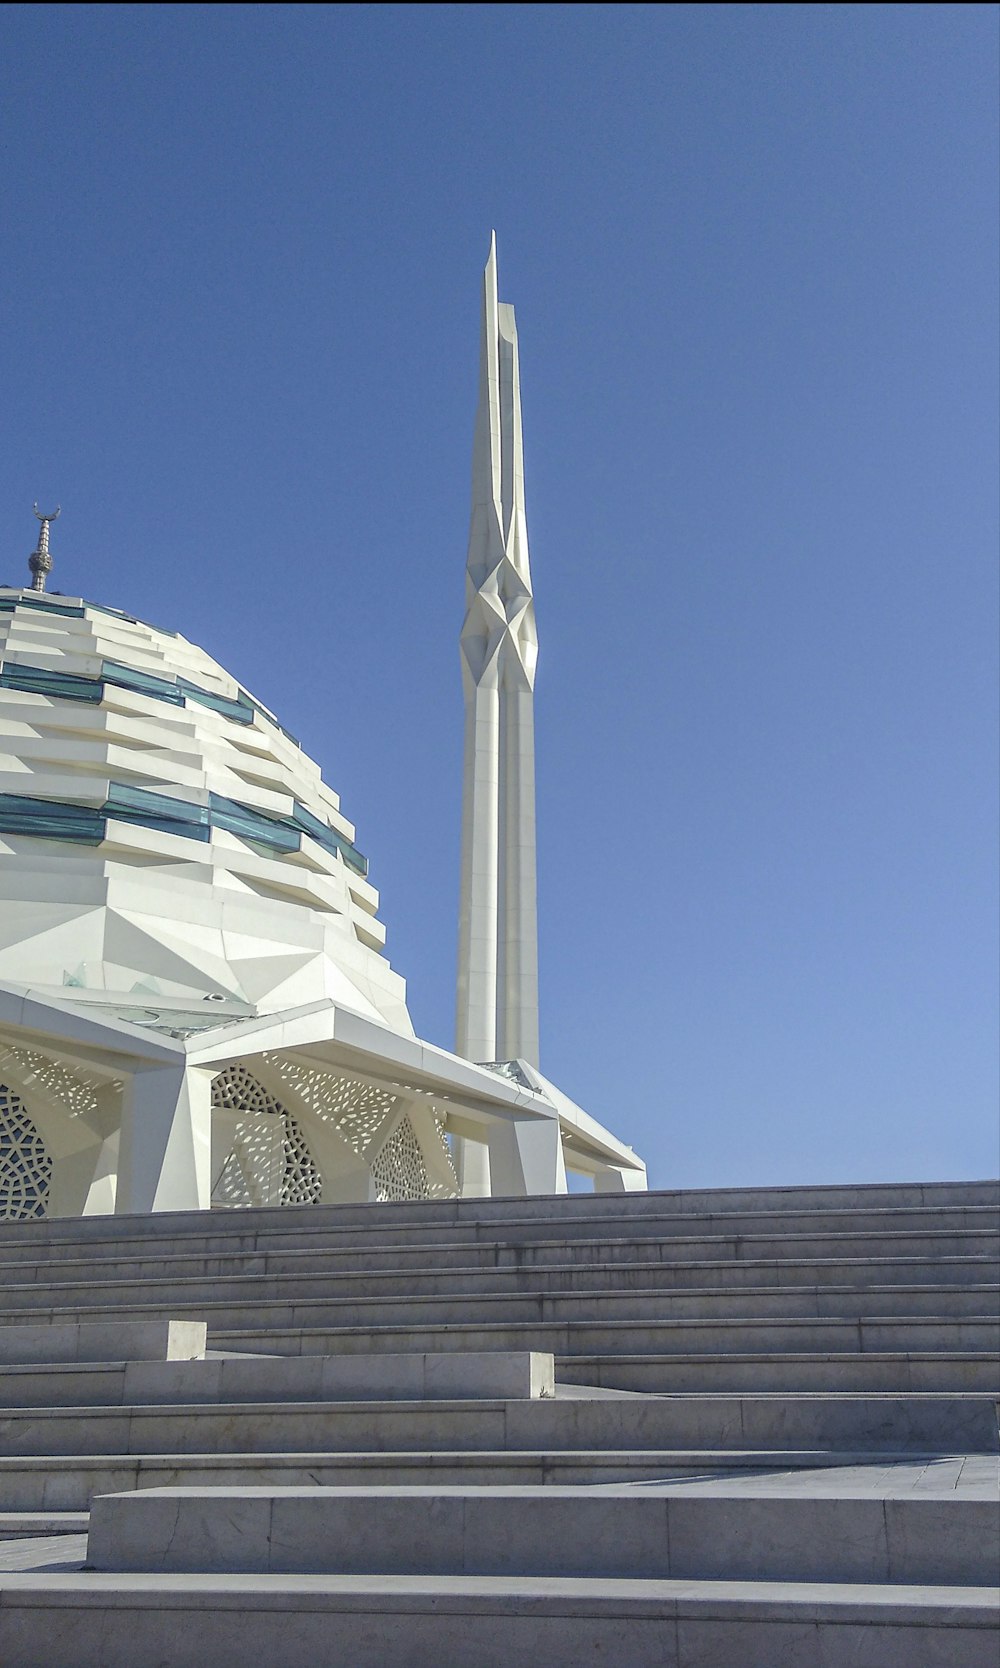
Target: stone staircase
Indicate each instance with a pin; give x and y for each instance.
(769, 1436)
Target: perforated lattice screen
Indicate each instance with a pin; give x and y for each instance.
(270, 1162)
(75, 1088)
(358, 1110)
(25, 1165)
(399, 1170)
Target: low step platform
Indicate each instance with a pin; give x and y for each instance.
(241, 1378)
(70, 1619)
(787, 1530)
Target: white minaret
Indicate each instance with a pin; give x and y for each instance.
(498, 928)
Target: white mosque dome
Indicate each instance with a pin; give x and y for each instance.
(167, 847)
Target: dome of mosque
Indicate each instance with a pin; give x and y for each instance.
(168, 846)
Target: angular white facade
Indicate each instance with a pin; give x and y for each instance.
(497, 1009)
(183, 842)
(195, 1006)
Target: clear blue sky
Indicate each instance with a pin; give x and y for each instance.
(753, 256)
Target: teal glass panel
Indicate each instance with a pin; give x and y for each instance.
(45, 605)
(39, 680)
(46, 819)
(275, 832)
(144, 683)
(158, 810)
(329, 839)
(239, 710)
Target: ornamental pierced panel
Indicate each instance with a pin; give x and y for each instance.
(399, 1171)
(358, 1111)
(235, 1090)
(25, 1164)
(270, 1162)
(76, 1089)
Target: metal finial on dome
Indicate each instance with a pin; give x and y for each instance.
(40, 561)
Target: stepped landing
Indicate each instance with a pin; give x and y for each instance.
(693, 1429)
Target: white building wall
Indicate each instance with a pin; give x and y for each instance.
(149, 906)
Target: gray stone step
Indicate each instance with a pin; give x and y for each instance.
(454, 1271)
(458, 1373)
(72, 1620)
(711, 1531)
(227, 1231)
(222, 1233)
(68, 1482)
(645, 1334)
(261, 1378)
(871, 1371)
(16, 1524)
(122, 1340)
(922, 1422)
(307, 1301)
(500, 1213)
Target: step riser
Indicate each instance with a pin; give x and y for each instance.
(69, 1484)
(642, 1535)
(645, 1336)
(449, 1376)
(878, 1196)
(505, 1219)
(333, 1329)
(668, 1376)
(164, 1340)
(935, 1424)
(891, 1303)
(418, 1629)
(522, 1243)
(849, 1283)
(651, 1374)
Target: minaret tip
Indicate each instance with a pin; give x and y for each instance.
(40, 560)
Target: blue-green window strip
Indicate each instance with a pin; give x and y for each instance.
(142, 683)
(44, 819)
(48, 605)
(185, 818)
(39, 680)
(275, 832)
(329, 838)
(165, 689)
(158, 810)
(42, 605)
(241, 708)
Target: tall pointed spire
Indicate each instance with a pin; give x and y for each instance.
(40, 560)
(498, 933)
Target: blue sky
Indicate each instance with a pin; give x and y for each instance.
(753, 256)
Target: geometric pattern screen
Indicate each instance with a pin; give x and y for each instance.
(399, 1171)
(270, 1163)
(25, 1165)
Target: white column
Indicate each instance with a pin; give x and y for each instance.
(165, 1154)
(472, 1167)
(518, 935)
(526, 1157)
(612, 1179)
(477, 930)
